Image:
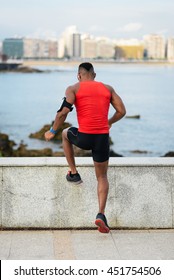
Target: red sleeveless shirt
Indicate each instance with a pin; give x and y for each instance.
(92, 106)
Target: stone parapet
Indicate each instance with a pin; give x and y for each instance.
(34, 193)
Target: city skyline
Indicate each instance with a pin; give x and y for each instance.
(110, 18)
(73, 46)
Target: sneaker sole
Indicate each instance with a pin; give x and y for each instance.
(75, 183)
(102, 226)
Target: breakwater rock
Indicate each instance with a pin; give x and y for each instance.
(133, 117)
(169, 154)
(26, 69)
(6, 145)
(40, 134)
(7, 149)
(18, 68)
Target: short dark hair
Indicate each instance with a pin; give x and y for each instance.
(87, 66)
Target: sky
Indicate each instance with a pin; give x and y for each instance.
(111, 18)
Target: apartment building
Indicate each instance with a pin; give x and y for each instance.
(61, 48)
(170, 49)
(129, 49)
(13, 48)
(37, 48)
(105, 48)
(51, 48)
(0, 46)
(34, 48)
(76, 45)
(154, 46)
(68, 40)
(89, 48)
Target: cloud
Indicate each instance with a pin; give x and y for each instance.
(131, 27)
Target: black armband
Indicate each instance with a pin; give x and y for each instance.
(65, 104)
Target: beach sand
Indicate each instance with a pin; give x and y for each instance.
(50, 62)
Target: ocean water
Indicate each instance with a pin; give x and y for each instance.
(29, 101)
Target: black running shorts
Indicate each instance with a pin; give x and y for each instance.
(98, 143)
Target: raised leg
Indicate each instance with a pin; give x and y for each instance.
(69, 152)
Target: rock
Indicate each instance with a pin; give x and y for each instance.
(40, 134)
(26, 69)
(18, 67)
(22, 151)
(113, 154)
(133, 117)
(169, 154)
(6, 145)
(139, 152)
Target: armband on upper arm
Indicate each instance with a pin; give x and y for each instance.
(65, 104)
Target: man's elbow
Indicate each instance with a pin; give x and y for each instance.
(123, 112)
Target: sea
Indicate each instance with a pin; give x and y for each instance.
(28, 101)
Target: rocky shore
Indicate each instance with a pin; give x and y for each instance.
(5, 68)
(20, 68)
(7, 146)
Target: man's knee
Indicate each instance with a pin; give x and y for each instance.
(101, 176)
(101, 170)
(64, 133)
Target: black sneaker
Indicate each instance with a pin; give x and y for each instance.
(74, 178)
(101, 222)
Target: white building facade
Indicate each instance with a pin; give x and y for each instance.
(154, 46)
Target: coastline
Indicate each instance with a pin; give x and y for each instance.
(26, 65)
(51, 62)
(7, 148)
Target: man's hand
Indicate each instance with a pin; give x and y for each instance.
(49, 135)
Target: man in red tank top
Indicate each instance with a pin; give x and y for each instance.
(92, 101)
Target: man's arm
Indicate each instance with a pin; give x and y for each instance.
(62, 115)
(118, 105)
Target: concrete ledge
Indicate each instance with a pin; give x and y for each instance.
(34, 193)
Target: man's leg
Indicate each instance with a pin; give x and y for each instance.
(102, 189)
(103, 184)
(69, 152)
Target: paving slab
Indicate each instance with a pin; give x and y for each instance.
(137, 245)
(92, 245)
(5, 244)
(164, 240)
(36, 245)
(87, 245)
(63, 247)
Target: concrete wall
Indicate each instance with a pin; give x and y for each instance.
(34, 193)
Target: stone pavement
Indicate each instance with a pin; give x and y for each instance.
(87, 245)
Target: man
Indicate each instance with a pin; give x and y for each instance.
(92, 101)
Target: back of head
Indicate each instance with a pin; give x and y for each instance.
(86, 69)
(87, 66)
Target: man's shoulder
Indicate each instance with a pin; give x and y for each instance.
(110, 88)
(73, 87)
